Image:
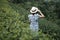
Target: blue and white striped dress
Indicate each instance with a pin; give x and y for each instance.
(34, 22)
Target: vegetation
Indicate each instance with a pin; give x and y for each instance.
(14, 24)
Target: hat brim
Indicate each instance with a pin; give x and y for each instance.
(32, 11)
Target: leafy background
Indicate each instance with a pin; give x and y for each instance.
(14, 24)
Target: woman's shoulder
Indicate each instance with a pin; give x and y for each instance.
(36, 14)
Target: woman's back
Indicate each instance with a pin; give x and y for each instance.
(33, 18)
(33, 21)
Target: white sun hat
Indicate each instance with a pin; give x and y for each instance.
(34, 10)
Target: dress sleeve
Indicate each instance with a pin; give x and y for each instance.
(29, 17)
(38, 15)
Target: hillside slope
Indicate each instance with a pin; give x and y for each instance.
(14, 24)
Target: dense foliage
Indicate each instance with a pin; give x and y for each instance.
(14, 24)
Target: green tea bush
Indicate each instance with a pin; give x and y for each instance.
(14, 24)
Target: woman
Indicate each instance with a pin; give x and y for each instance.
(33, 18)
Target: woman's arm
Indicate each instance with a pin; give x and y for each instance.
(41, 14)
